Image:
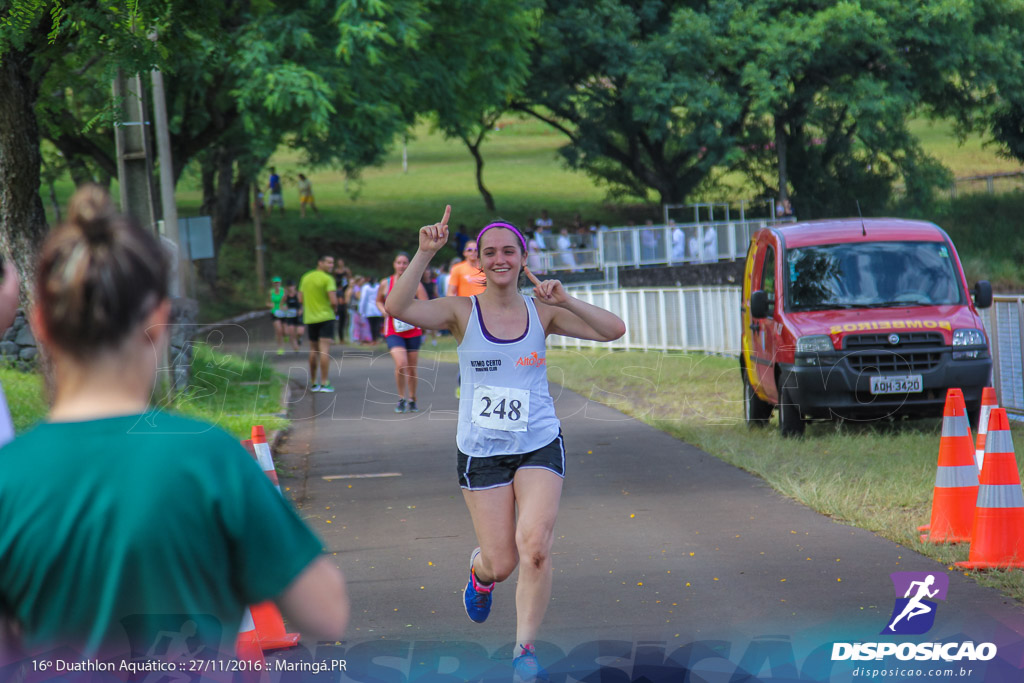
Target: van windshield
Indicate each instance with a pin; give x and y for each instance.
(871, 275)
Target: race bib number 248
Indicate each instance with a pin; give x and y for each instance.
(502, 408)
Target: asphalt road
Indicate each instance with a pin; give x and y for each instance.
(666, 559)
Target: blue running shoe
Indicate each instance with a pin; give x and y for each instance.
(477, 597)
(526, 668)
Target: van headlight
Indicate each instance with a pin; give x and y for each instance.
(969, 337)
(808, 350)
(815, 343)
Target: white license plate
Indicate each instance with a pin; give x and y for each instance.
(896, 384)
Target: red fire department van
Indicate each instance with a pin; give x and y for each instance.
(859, 320)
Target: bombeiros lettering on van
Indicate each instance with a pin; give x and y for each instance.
(892, 325)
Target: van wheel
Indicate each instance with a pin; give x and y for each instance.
(791, 422)
(755, 410)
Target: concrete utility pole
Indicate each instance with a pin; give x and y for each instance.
(134, 153)
(180, 283)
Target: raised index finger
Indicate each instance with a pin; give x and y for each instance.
(533, 278)
(447, 213)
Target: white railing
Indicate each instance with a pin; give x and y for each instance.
(1004, 325)
(707, 319)
(572, 260)
(703, 319)
(683, 243)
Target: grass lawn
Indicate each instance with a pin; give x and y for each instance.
(876, 476)
(226, 391)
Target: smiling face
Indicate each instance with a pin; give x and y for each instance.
(501, 256)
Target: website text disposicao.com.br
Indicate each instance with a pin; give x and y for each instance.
(902, 673)
(952, 660)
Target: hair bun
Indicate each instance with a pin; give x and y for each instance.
(90, 209)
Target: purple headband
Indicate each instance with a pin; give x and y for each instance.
(507, 226)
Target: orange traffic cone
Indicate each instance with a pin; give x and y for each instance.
(956, 480)
(263, 454)
(270, 627)
(988, 402)
(248, 644)
(997, 538)
(269, 624)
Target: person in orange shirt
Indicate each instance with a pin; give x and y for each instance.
(466, 278)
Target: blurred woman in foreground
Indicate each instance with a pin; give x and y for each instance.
(121, 524)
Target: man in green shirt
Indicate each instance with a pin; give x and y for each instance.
(317, 294)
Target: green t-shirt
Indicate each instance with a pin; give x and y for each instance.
(316, 304)
(276, 297)
(117, 532)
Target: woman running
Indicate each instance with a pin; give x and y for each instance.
(275, 299)
(120, 523)
(403, 339)
(292, 321)
(510, 451)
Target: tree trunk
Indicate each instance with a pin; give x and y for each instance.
(22, 217)
(475, 151)
(780, 151)
(53, 200)
(208, 180)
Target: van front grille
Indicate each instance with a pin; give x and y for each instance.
(881, 340)
(895, 361)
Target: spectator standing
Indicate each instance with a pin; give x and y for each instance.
(342, 280)
(441, 284)
(693, 245)
(317, 295)
(543, 226)
(360, 327)
(274, 195)
(369, 310)
(163, 522)
(533, 260)
(710, 244)
(306, 197)
(565, 254)
(461, 238)
(648, 242)
(678, 242)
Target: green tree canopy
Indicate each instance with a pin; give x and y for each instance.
(650, 94)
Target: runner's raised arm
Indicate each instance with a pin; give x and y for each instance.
(401, 303)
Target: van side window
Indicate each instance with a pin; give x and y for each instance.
(768, 279)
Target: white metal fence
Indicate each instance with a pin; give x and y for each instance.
(669, 319)
(683, 243)
(653, 245)
(707, 319)
(1004, 324)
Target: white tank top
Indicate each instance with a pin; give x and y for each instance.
(505, 407)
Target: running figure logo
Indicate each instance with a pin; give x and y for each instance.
(914, 612)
